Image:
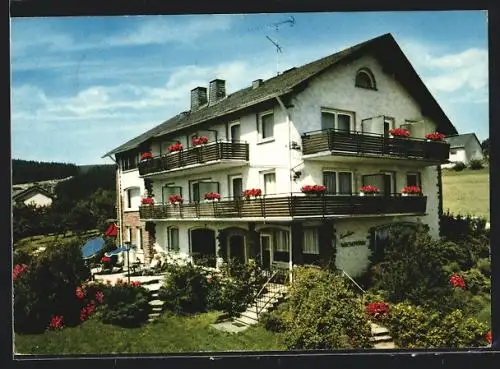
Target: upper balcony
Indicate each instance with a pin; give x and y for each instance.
(218, 155)
(290, 206)
(361, 146)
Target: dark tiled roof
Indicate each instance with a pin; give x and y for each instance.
(460, 140)
(18, 194)
(268, 89)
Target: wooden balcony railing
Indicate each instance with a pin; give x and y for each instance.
(289, 205)
(362, 143)
(195, 155)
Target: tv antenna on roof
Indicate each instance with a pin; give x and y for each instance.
(291, 21)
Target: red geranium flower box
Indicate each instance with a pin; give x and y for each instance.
(435, 136)
(313, 189)
(175, 199)
(175, 147)
(369, 189)
(212, 196)
(411, 190)
(199, 140)
(146, 155)
(254, 192)
(399, 132)
(147, 201)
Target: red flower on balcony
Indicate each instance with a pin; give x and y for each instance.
(254, 192)
(212, 196)
(411, 190)
(435, 136)
(399, 132)
(199, 140)
(314, 189)
(146, 155)
(377, 309)
(175, 147)
(369, 189)
(175, 199)
(457, 281)
(147, 201)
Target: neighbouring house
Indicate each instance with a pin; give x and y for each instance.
(331, 123)
(463, 148)
(34, 195)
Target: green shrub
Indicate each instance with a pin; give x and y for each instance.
(459, 166)
(185, 289)
(323, 313)
(462, 228)
(476, 282)
(484, 265)
(47, 287)
(417, 327)
(275, 320)
(125, 304)
(476, 164)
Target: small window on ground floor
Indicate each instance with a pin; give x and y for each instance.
(173, 239)
(310, 245)
(281, 246)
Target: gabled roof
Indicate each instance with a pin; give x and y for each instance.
(385, 49)
(17, 195)
(461, 140)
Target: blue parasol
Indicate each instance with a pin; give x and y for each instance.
(92, 247)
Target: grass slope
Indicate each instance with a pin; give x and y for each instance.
(467, 192)
(169, 334)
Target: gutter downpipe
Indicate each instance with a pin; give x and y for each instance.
(119, 207)
(289, 124)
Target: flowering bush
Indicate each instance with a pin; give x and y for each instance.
(254, 192)
(175, 199)
(199, 140)
(146, 155)
(317, 189)
(399, 132)
(147, 201)
(377, 310)
(175, 147)
(488, 337)
(212, 196)
(411, 189)
(18, 270)
(56, 322)
(435, 136)
(457, 281)
(369, 189)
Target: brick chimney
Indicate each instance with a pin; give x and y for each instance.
(217, 90)
(256, 83)
(198, 97)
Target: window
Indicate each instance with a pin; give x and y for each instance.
(365, 79)
(338, 183)
(139, 237)
(170, 190)
(129, 161)
(336, 120)
(269, 183)
(310, 243)
(281, 246)
(199, 189)
(173, 239)
(413, 179)
(266, 126)
(128, 234)
(133, 198)
(234, 132)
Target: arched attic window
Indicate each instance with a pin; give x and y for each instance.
(365, 79)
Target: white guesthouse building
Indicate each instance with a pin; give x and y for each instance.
(324, 123)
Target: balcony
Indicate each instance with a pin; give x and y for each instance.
(328, 143)
(219, 154)
(294, 206)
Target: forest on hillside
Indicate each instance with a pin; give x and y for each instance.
(25, 171)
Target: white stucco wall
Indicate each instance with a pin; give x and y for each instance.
(38, 199)
(130, 179)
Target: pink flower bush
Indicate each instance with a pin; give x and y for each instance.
(99, 296)
(80, 294)
(56, 322)
(457, 281)
(488, 337)
(18, 270)
(377, 309)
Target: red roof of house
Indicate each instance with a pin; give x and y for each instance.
(112, 230)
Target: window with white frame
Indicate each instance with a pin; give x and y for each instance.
(338, 182)
(365, 79)
(173, 239)
(132, 198)
(413, 179)
(269, 180)
(199, 189)
(266, 126)
(337, 120)
(281, 245)
(170, 190)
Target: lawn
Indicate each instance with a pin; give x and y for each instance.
(169, 334)
(467, 192)
(34, 242)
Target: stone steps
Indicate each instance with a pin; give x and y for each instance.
(381, 337)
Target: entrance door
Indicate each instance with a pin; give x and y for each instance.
(203, 247)
(236, 187)
(265, 251)
(237, 248)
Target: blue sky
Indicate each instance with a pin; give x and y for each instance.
(82, 86)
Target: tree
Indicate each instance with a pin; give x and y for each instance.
(102, 205)
(485, 146)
